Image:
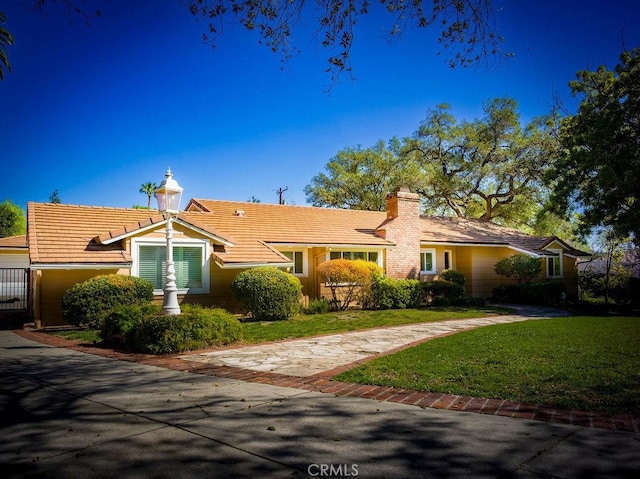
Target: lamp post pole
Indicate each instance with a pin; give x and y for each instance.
(170, 303)
(169, 194)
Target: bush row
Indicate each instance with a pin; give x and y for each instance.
(389, 293)
(143, 328)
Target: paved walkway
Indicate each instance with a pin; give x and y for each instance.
(310, 364)
(327, 354)
(65, 413)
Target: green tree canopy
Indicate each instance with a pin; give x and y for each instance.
(54, 197)
(12, 219)
(490, 168)
(599, 175)
(148, 189)
(358, 178)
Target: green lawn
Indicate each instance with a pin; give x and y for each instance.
(309, 325)
(339, 322)
(582, 362)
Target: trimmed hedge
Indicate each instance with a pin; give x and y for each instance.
(85, 304)
(443, 293)
(540, 294)
(268, 293)
(390, 293)
(453, 276)
(145, 329)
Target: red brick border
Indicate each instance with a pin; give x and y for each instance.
(323, 384)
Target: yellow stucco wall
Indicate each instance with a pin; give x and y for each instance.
(51, 286)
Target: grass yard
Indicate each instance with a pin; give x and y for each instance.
(309, 325)
(303, 326)
(585, 362)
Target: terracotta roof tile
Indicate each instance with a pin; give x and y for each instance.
(19, 241)
(250, 231)
(256, 227)
(60, 233)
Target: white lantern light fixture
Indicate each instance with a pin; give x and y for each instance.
(168, 195)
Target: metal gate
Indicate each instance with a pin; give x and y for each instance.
(14, 289)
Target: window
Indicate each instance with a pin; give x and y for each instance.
(190, 262)
(428, 261)
(554, 265)
(372, 256)
(298, 260)
(447, 259)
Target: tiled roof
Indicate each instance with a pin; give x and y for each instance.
(251, 232)
(19, 241)
(438, 229)
(66, 234)
(255, 226)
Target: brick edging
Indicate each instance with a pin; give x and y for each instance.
(324, 384)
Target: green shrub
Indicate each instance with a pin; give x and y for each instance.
(317, 306)
(453, 276)
(119, 324)
(86, 303)
(268, 293)
(542, 294)
(521, 267)
(390, 293)
(443, 293)
(145, 329)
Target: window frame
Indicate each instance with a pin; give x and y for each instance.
(550, 262)
(449, 254)
(305, 261)
(378, 252)
(434, 267)
(204, 246)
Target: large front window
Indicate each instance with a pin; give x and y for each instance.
(372, 256)
(190, 264)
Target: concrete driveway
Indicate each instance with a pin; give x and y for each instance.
(68, 414)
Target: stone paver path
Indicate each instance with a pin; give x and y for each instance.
(312, 356)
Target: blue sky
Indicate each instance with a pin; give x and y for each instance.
(95, 111)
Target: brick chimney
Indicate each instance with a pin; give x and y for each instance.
(402, 227)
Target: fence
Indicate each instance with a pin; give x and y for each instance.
(14, 289)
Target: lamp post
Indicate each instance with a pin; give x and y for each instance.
(168, 195)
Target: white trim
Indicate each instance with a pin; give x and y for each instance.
(224, 265)
(356, 250)
(444, 256)
(43, 266)
(357, 246)
(162, 223)
(433, 260)
(546, 263)
(486, 245)
(22, 249)
(135, 232)
(305, 261)
(203, 232)
(177, 242)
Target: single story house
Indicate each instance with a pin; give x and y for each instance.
(214, 240)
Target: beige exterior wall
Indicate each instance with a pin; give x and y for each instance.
(50, 287)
